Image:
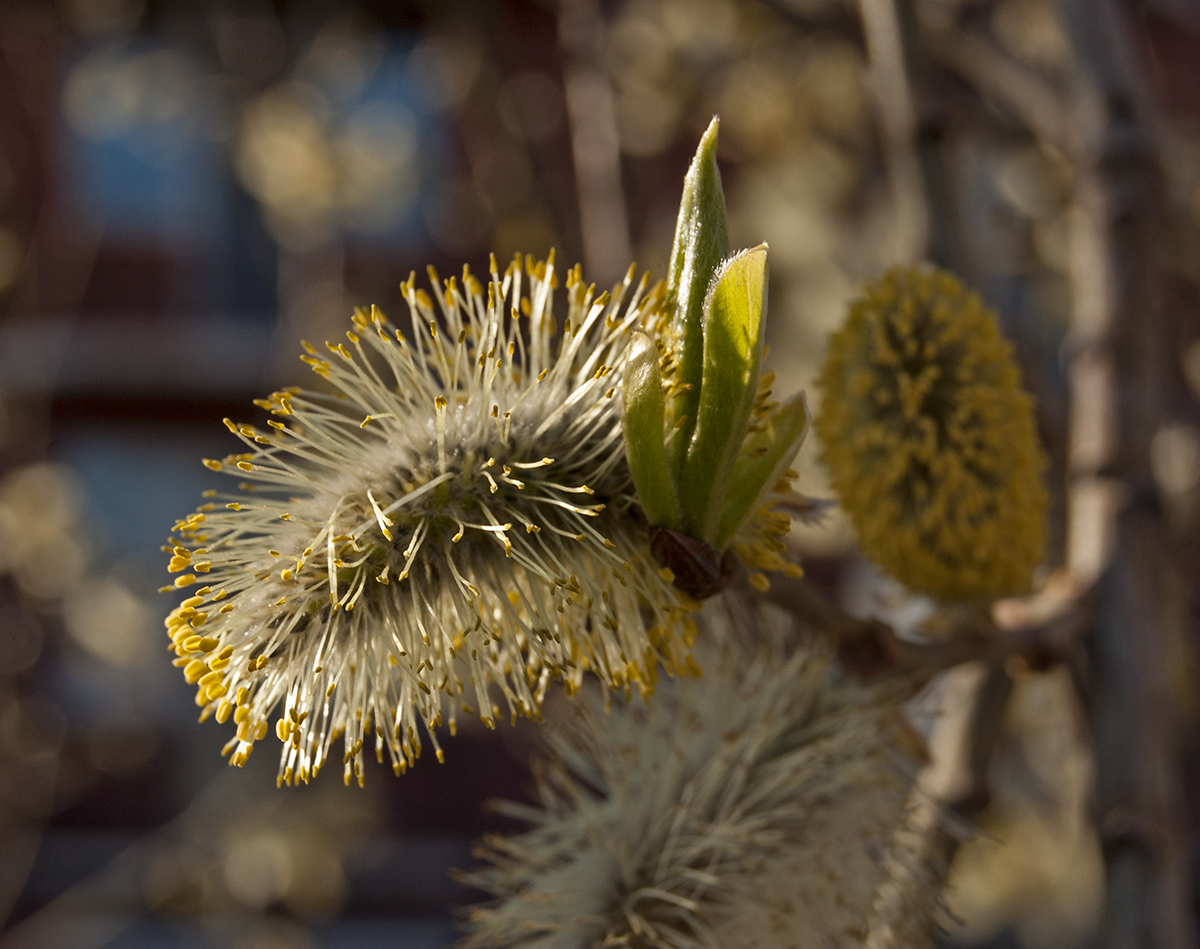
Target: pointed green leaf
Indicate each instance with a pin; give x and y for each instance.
(643, 430)
(701, 244)
(734, 317)
(767, 455)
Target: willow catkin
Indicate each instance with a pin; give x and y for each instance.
(930, 441)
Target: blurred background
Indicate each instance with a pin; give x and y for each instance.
(188, 187)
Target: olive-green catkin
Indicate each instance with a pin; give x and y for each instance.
(930, 440)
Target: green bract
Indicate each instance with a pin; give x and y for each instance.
(647, 452)
(704, 457)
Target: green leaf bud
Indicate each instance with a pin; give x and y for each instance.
(701, 244)
(733, 322)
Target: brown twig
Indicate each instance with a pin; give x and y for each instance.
(1041, 629)
(1118, 343)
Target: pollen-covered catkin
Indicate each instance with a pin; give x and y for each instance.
(446, 527)
(930, 441)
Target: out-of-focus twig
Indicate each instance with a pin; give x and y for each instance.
(595, 145)
(888, 82)
(1028, 97)
(1119, 369)
(805, 17)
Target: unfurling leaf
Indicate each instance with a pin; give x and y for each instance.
(765, 458)
(733, 341)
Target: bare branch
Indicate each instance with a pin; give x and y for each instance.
(1041, 629)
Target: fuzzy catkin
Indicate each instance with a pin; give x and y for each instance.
(752, 808)
(930, 441)
(447, 530)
